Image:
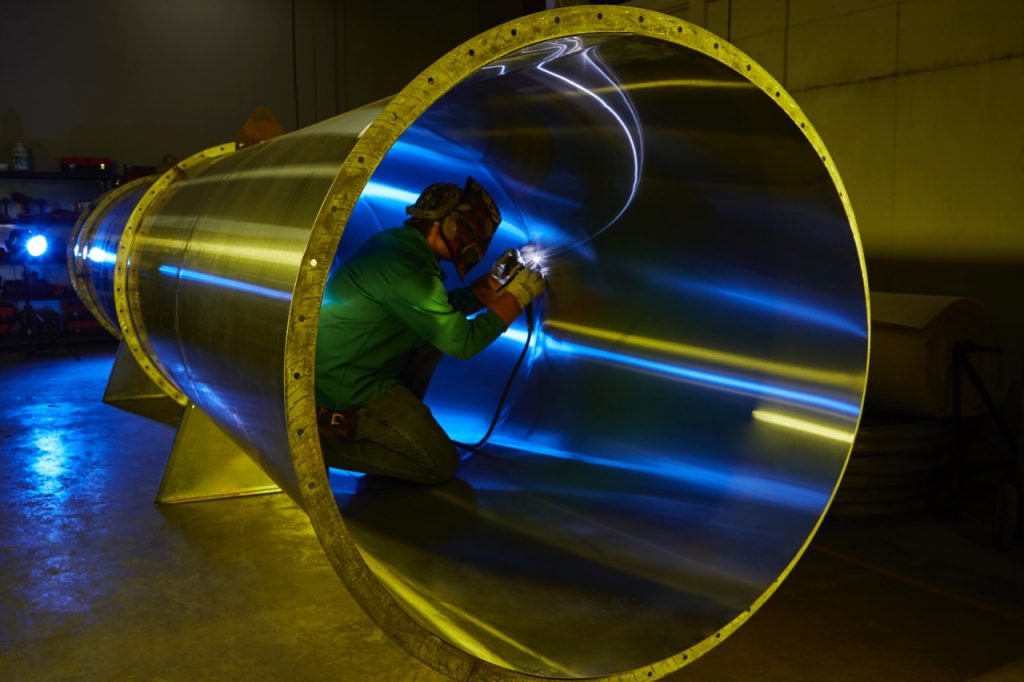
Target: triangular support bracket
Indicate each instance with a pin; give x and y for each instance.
(130, 389)
(205, 464)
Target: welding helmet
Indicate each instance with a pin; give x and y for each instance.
(468, 218)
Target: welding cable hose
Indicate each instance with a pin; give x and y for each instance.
(508, 387)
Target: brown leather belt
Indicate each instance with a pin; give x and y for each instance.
(336, 423)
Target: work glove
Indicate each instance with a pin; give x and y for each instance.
(506, 266)
(525, 285)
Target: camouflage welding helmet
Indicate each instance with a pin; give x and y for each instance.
(468, 218)
(435, 201)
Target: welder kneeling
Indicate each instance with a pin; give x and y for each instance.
(386, 320)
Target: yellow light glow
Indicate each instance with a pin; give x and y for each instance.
(698, 83)
(711, 355)
(453, 622)
(693, 83)
(803, 425)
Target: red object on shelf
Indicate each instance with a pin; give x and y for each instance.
(77, 318)
(88, 164)
(7, 313)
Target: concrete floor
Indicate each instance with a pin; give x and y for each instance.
(98, 584)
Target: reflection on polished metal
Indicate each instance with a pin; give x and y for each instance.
(92, 250)
(92, 254)
(205, 464)
(686, 409)
(131, 389)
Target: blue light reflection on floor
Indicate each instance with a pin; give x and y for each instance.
(50, 463)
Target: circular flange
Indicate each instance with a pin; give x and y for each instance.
(124, 277)
(83, 231)
(403, 110)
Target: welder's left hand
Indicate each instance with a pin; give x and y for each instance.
(526, 284)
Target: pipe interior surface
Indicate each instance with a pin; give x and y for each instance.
(694, 381)
(691, 389)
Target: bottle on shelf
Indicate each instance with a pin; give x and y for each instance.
(20, 158)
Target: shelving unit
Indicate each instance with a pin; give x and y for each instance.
(102, 176)
(57, 299)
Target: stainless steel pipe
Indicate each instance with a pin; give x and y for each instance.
(692, 388)
(92, 250)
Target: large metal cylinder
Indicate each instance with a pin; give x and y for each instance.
(693, 386)
(92, 250)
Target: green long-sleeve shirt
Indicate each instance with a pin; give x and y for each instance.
(385, 301)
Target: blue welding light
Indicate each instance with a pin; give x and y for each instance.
(790, 308)
(225, 283)
(379, 190)
(780, 305)
(715, 380)
(743, 484)
(433, 151)
(98, 255)
(36, 245)
(389, 193)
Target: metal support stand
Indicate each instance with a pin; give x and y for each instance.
(131, 389)
(1009, 512)
(33, 326)
(205, 464)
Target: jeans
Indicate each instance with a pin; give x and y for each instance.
(395, 434)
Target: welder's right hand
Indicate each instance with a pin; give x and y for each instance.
(506, 266)
(526, 285)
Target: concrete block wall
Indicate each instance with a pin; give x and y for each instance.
(921, 103)
(137, 80)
